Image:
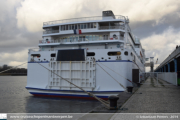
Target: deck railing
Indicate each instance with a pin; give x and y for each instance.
(50, 31)
(80, 40)
(117, 17)
(100, 28)
(34, 50)
(111, 27)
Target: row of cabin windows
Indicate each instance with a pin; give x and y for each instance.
(78, 26)
(88, 54)
(109, 53)
(84, 38)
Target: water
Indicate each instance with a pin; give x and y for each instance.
(14, 98)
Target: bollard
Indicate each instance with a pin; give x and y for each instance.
(138, 84)
(113, 101)
(130, 89)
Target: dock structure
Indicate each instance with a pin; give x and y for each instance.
(171, 64)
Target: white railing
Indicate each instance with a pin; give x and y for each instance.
(80, 40)
(168, 77)
(34, 50)
(50, 31)
(111, 27)
(117, 17)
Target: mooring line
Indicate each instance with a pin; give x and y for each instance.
(119, 74)
(106, 103)
(13, 67)
(111, 76)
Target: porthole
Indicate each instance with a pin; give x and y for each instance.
(35, 55)
(53, 55)
(114, 53)
(109, 57)
(90, 54)
(102, 58)
(125, 53)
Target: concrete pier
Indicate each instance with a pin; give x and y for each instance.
(149, 98)
(161, 98)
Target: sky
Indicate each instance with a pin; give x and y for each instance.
(155, 22)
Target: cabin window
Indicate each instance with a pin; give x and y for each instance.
(84, 26)
(73, 27)
(91, 25)
(94, 25)
(53, 55)
(114, 53)
(62, 28)
(35, 55)
(125, 53)
(90, 54)
(66, 27)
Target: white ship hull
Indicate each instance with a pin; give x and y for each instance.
(97, 54)
(105, 86)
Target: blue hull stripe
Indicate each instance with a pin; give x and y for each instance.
(66, 95)
(40, 62)
(115, 61)
(73, 90)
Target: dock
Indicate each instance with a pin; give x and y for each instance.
(149, 98)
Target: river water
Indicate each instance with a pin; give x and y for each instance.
(14, 98)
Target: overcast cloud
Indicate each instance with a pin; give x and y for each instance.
(155, 22)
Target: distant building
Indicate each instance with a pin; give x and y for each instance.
(5, 66)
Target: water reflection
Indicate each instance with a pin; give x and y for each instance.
(14, 98)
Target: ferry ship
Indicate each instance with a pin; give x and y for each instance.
(99, 54)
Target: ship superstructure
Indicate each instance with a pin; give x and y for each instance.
(93, 53)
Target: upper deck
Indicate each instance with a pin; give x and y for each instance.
(85, 19)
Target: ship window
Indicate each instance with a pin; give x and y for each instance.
(84, 26)
(94, 25)
(53, 55)
(114, 53)
(36, 55)
(73, 27)
(90, 54)
(91, 25)
(62, 28)
(66, 27)
(70, 28)
(125, 53)
(81, 26)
